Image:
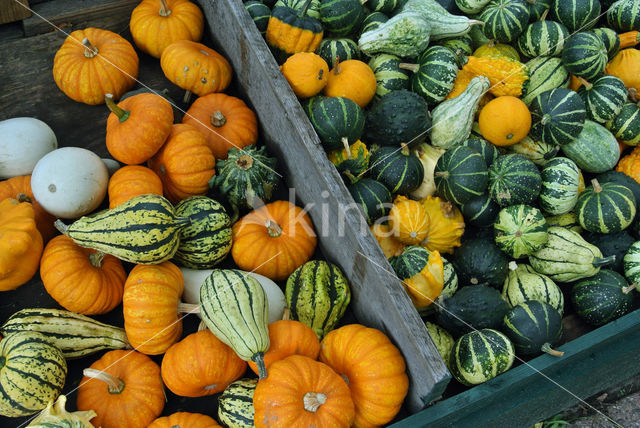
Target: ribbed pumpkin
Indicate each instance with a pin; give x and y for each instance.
(421, 272)
(446, 225)
(352, 79)
(185, 420)
(389, 244)
(408, 220)
(150, 307)
(374, 369)
(200, 365)
(306, 73)
(19, 188)
(92, 63)
(130, 181)
(185, 163)
(124, 388)
(226, 121)
(273, 240)
(625, 67)
(155, 26)
(630, 164)
(505, 121)
(81, 280)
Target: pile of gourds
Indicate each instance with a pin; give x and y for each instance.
(470, 128)
(155, 250)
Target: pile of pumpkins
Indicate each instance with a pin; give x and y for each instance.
(498, 132)
(155, 250)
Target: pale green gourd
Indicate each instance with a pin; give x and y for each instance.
(443, 24)
(405, 35)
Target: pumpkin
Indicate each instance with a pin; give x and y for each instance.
(155, 26)
(124, 388)
(195, 67)
(290, 31)
(629, 39)
(21, 244)
(289, 337)
(150, 307)
(408, 220)
(273, 240)
(630, 165)
(137, 127)
(389, 244)
(625, 66)
(306, 73)
(200, 365)
(507, 76)
(92, 63)
(373, 368)
(81, 280)
(185, 163)
(130, 181)
(505, 121)
(226, 121)
(185, 420)
(446, 225)
(352, 79)
(19, 188)
(301, 392)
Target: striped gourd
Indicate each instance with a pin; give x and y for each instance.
(604, 98)
(55, 415)
(624, 15)
(545, 73)
(351, 163)
(421, 272)
(235, 404)
(435, 73)
(317, 294)
(514, 179)
(585, 55)
(536, 151)
(542, 38)
(602, 297)
(557, 116)
(337, 120)
(443, 24)
(524, 284)
(206, 240)
(631, 263)
(398, 169)
(610, 39)
(235, 308)
(488, 151)
(142, 230)
(471, 6)
(260, 14)
(460, 175)
(389, 75)
(537, 8)
(313, 9)
(623, 179)
(341, 17)
(560, 182)
(480, 211)
(594, 150)
(626, 125)
(372, 196)
(384, 6)
(450, 285)
(576, 15)
(520, 230)
(32, 373)
(606, 207)
(74, 334)
(533, 327)
(480, 356)
(373, 21)
(568, 221)
(337, 49)
(479, 261)
(461, 46)
(442, 339)
(504, 20)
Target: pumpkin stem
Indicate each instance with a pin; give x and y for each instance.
(22, 197)
(447, 208)
(491, 43)
(545, 119)
(96, 259)
(259, 360)
(627, 290)
(597, 188)
(89, 50)
(119, 112)
(188, 308)
(164, 9)
(286, 314)
(218, 119)
(603, 261)
(62, 228)
(408, 66)
(336, 68)
(115, 385)
(273, 229)
(187, 97)
(547, 348)
(244, 162)
(313, 400)
(345, 143)
(544, 15)
(405, 149)
(586, 84)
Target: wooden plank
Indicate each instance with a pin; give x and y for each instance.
(379, 299)
(76, 14)
(11, 31)
(13, 10)
(522, 396)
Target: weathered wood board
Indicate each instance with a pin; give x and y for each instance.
(13, 10)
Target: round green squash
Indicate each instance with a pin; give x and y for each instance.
(398, 169)
(461, 47)
(542, 38)
(436, 72)
(480, 262)
(480, 356)
(610, 39)
(235, 404)
(504, 20)
(622, 179)
(612, 244)
(260, 14)
(460, 175)
(537, 8)
(605, 208)
(626, 125)
(520, 230)
(338, 121)
(557, 116)
(560, 183)
(398, 117)
(585, 55)
(488, 151)
(480, 211)
(624, 16)
(373, 197)
(533, 327)
(545, 73)
(602, 297)
(341, 17)
(604, 98)
(594, 150)
(337, 49)
(389, 75)
(524, 284)
(514, 179)
(576, 15)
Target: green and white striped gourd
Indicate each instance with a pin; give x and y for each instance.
(594, 150)
(631, 263)
(624, 15)
(337, 49)
(533, 327)
(537, 8)
(384, 6)
(142, 230)
(442, 339)
(480, 356)
(488, 151)
(537, 151)
(606, 207)
(626, 125)
(545, 73)
(610, 39)
(576, 15)
(443, 24)
(55, 415)
(373, 21)
(392, 37)
(524, 284)
(74, 334)
(604, 98)
(585, 55)
(560, 182)
(32, 373)
(567, 257)
(235, 404)
(341, 17)
(389, 75)
(602, 297)
(520, 230)
(460, 175)
(260, 14)
(235, 308)
(313, 10)
(461, 46)
(542, 38)
(621, 178)
(434, 74)
(450, 285)
(317, 294)
(471, 6)
(557, 116)
(568, 221)
(338, 121)
(505, 20)
(514, 179)
(400, 170)
(372, 196)
(452, 119)
(480, 211)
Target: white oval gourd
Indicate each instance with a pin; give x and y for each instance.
(23, 142)
(70, 182)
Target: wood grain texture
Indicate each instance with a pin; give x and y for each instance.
(13, 10)
(378, 297)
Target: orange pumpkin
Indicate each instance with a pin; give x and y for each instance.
(20, 188)
(273, 240)
(352, 79)
(184, 163)
(92, 63)
(185, 420)
(124, 388)
(137, 127)
(630, 164)
(408, 220)
(446, 226)
(156, 24)
(21, 244)
(625, 66)
(505, 120)
(226, 121)
(373, 368)
(389, 244)
(288, 337)
(81, 280)
(130, 181)
(150, 307)
(306, 73)
(199, 365)
(629, 39)
(301, 392)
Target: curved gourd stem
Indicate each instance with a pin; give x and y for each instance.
(259, 360)
(62, 228)
(603, 261)
(89, 50)
(345, 143)
(408, 66)
(304, 9)
(114, 385)
(164, 9)
(286, 314)
(586, 84)
(405, 149)
(188, 308)
(547, 348)
(352, 178)
(336, 68)
(313, 400)
(217, 119)
(627, 290)
(273, 229)
(597, 188)
(115, 109)
(473, 22)
(544, 15)
(96, 259)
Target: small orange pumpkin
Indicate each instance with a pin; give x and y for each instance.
(199, 365)
(273, 240)
(301, 392)
(630, 164)
(306, 73)
(130, 181)
(625, 66)
(92, 63)
(446, 226)
(352, 79)
(408, 220)
(81, 280)
(124, 388)
(185, 420)
(389, 244)
(505, 120)
(156, 24)
(20, 188)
